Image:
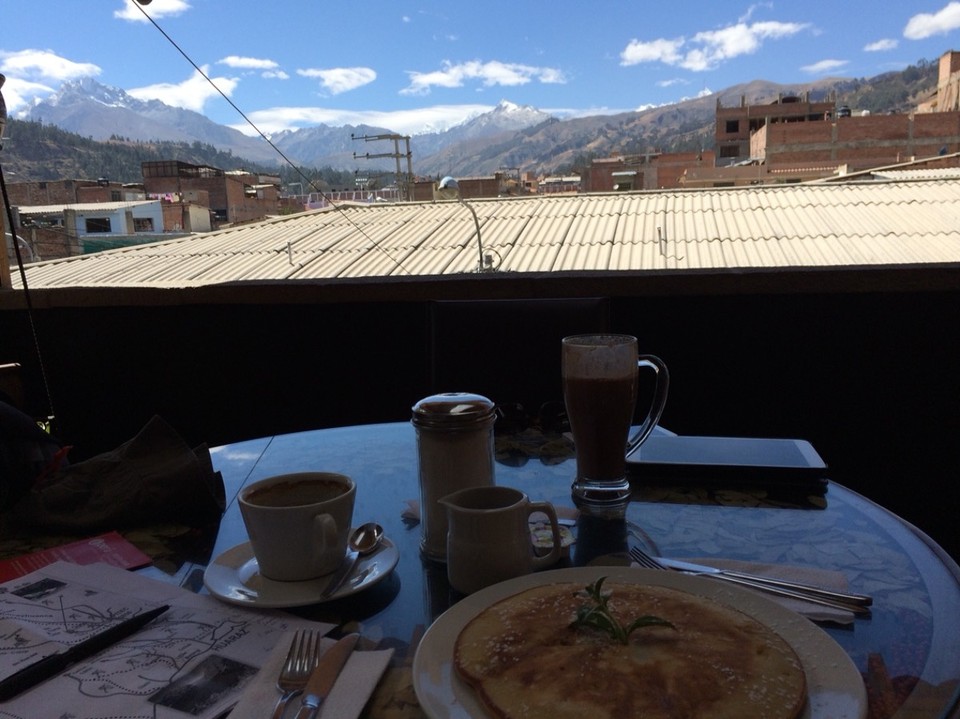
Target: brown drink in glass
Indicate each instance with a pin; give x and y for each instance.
(600, 392)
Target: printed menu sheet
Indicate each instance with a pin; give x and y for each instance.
(109, 548)
(193, 661)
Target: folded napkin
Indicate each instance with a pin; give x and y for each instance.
(824, 578)
(354, 686)
(153, 477)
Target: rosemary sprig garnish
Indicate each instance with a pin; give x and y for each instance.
(598, 616)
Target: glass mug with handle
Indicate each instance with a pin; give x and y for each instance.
(600, 385)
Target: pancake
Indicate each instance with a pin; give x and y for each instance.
(525, 660)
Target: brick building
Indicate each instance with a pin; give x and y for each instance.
(794, 140)
(948, 86)
(233, 196)
(64, 230)
(654, 171)
(859, 142)
(735, 126)
(498, 184)
(619, 173)
(71, 192)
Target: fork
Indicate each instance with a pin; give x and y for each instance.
(644, 559)
(771, 586)
(302, 657)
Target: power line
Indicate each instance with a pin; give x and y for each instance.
(267, 139)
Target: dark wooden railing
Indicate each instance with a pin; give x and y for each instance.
(862, 363)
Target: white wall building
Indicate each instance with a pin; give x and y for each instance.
(98, 219)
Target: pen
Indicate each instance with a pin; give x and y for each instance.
(50, 666)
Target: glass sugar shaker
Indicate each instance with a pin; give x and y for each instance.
(455, 451)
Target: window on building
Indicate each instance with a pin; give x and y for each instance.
(114, 195)
(97, 224)
(730, 151)
(143, 224)
(733, 126)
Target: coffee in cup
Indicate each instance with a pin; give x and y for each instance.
(299, 523)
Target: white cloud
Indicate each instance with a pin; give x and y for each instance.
(489, 74)
(341, 79)
(661, 50)
(573, 112)
(248, 63)
(749, 13)
(156, 9)
(269, 69)
(673, 81)
(35, 64)
(33, 74)
(409, 122)
(20, 94)
(941, 22)
(708, 49)
(881, 45)
(191, 94)
(824, 66)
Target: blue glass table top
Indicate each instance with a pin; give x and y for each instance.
(908, 649)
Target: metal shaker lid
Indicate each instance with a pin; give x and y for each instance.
(452, 410)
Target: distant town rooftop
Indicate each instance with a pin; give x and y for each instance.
(843, 224)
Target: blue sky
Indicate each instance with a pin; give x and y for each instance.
(412, 66)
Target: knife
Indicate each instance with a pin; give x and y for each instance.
(856, 603)
(322, 679)
(55, 663)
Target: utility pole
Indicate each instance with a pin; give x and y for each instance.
(407, 180)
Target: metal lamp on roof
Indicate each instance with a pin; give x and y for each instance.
(449, 183)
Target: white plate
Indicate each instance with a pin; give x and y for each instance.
(835, 687)
(235, 577)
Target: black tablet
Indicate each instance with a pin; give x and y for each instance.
(743, 459)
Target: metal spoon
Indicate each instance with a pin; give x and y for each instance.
(364, 540)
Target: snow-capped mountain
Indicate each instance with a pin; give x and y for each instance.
(93, 110)
(98, 111)
(508, 116)
(508, 136)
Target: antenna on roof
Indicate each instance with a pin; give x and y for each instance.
(486, 263)
(662, 239)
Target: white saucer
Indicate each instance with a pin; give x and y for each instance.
(235, 577)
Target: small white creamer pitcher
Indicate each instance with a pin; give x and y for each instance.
(488, 536)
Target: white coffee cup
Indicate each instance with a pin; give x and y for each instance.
(299, 523)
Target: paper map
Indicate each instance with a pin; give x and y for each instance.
(192, 661)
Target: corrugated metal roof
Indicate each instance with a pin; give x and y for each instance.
(82, 207)
(764, 227)
(938, 173)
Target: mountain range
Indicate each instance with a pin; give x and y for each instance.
(509, 136)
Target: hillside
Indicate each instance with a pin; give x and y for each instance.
(35, 151)
(509, 136)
